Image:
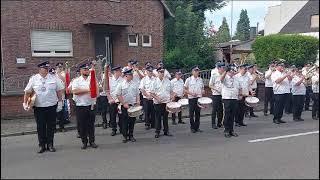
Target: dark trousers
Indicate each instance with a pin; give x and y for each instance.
(268, 98)
(308, 97)
(297, 106)
(63, 115)
(161, 115)
(127, 123)
(230, 109)
(194, 113)
(217, 109)
(86, 118)
(102, 107)
(240, 111)
(149, 113)
(279, 102)
(113, 112)
(60, 119)
(46, 123)
(315, 106)
(288, 103)
(176, 99)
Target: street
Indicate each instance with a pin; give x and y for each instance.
(185, 155)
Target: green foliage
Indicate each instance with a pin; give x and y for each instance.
(223, 34)
(295, 49)
(185, 42)
(243, 27)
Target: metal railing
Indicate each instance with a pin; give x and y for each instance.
(204, 74)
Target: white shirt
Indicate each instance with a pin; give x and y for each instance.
(113, 86)
(215, 83)
(315, 83)
(214, 71)
(280, 88)
(244, 83)
(146, 85)
(230, 88)
(298, 90)
(162, 88)
(128, 90)
(194, 85)
(251, 77)
(166, 73)
(45, 89)
(83, 99)
(268, 81)
(177, 86)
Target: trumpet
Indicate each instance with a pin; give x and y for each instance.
(260, 75)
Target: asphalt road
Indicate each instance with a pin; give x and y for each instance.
(186, 155)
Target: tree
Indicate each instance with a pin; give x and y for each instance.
(223, 34)
(243, 27)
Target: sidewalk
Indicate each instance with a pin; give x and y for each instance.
(18, 127)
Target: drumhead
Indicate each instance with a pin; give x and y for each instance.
(204, 100)
(173, 105)
(252, 99)
(135, 109)
(183, 102)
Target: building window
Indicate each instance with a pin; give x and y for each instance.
(133, 39)
(46, 43)
(146, 40)
(315, 21)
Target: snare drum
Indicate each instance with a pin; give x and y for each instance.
(251, 101)
(135, 111)
(204, 102)
(173, 107)
(184, 102)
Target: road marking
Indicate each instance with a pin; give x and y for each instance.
(281, 137)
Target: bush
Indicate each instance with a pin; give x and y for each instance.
(295, 49)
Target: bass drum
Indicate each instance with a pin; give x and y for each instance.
(251, 101)
(204, 102)
(173, 107)
(135, 111)
(184, 102)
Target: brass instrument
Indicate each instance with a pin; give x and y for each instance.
(260, 75)
(308, 75)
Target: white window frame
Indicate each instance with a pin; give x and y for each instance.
(137, 40)
(317, 20)
(52, 53)
(146, 44)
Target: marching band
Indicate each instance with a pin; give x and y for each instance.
(130, 92)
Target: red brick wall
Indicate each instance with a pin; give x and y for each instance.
(11, 106)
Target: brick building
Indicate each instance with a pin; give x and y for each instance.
(60, 31)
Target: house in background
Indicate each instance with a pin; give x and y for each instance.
(300, 17)
(60, 31)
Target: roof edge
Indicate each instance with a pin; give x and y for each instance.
(167, 8)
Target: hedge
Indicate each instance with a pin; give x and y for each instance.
(295, 49)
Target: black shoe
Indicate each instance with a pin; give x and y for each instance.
(167, 134)
(237, 124)
(113, 133)
(315, 118)
(78, 136)
(253, 115)
(233, 134)
(104, 125)
(124, 139)
(300, 119)
(193, 131)
(84, 146)
(198, 130)
(296, 119)
(242, 124)
(174, 123)
(214, 126)
(51, 148)
(280, 121)
(219, 125)
(157, 135)
(276, 121)
(181, 122)
(148, 127)
(93, 145)
(132, 139)
(227, 135)
(42, 149)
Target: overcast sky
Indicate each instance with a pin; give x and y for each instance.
(256, 12)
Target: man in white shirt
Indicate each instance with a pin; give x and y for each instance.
(215, 86)
(137, 76)
(230, 94)
(281, 86)
(268, 96)
(127, 93)
(166, 73)
(305, 69)
(288, 105)
(298, 94)
(162, 94)
(253, 84)
(114, 81)
(178, 93)
(84, 114)
(146, 88)
(245, 87)
(102, 102)
(194, 88)
(48, 90)
(315, 89)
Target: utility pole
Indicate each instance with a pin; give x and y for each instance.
(231, 31)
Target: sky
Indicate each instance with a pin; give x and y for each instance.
(256, 12)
